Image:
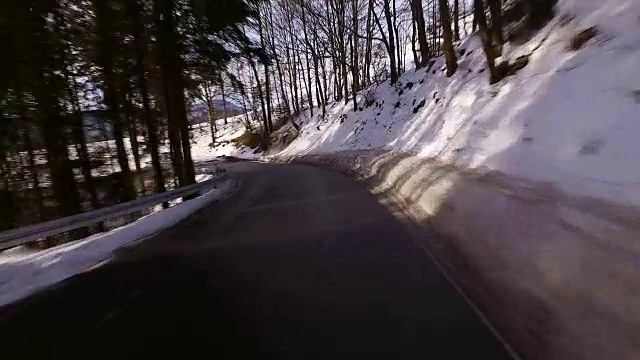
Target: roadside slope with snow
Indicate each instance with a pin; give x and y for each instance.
(533, 183)
(569, 117)
(201, 149)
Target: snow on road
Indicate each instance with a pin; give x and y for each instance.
(24, 271)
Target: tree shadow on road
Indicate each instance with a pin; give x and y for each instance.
(131, 309)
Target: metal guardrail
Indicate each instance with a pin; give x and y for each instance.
(15, 237)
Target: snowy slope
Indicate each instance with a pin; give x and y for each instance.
(569, 117)
(201, 141)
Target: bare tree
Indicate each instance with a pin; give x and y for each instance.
(456, 20)
(388, 39)
(485, 35)
(495, 8)
(447, 44)
(418, 18)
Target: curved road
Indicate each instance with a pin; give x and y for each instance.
(301, 263)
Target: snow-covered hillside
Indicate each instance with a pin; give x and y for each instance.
(569, 117)
(201, 149)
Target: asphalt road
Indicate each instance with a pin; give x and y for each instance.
(301, 263)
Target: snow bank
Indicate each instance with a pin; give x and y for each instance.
(24, 271)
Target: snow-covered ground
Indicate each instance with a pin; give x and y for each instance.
(568, 118)
(24, 271)
(201, 141)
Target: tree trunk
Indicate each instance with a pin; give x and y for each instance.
(316, 71)
(397, 38)
(278, 66)
(77, 133)
(53, 129)
(325, 86)
(129, 192)
(33, 171)
(183, 122)
(474, 21)
(267, 80)
(210, 112)
(355, 59)
(133, 135)
(260, 94)
(391, 42)
(106, 60)
(303, 84)
(33, 167)
(8, 206)
(282, 89)
(464, 18)
(173, 130)
(418, 15)
(344, 72)
(171, 74)
(449, 52)
(50, 121)
(293, 71)
(245, 97)
(306, 56)
(434, 30)
(368, 44)
(337, 84)
(141, 79)
(456, 20)
(276, 108)
(81, 144)
(292, 83)
(414, 38)
(495, 8)
(267, 86)
(388, 40)
(485, 36)
(321, 97)
(224, 101)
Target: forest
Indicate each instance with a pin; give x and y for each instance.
(96, 96)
